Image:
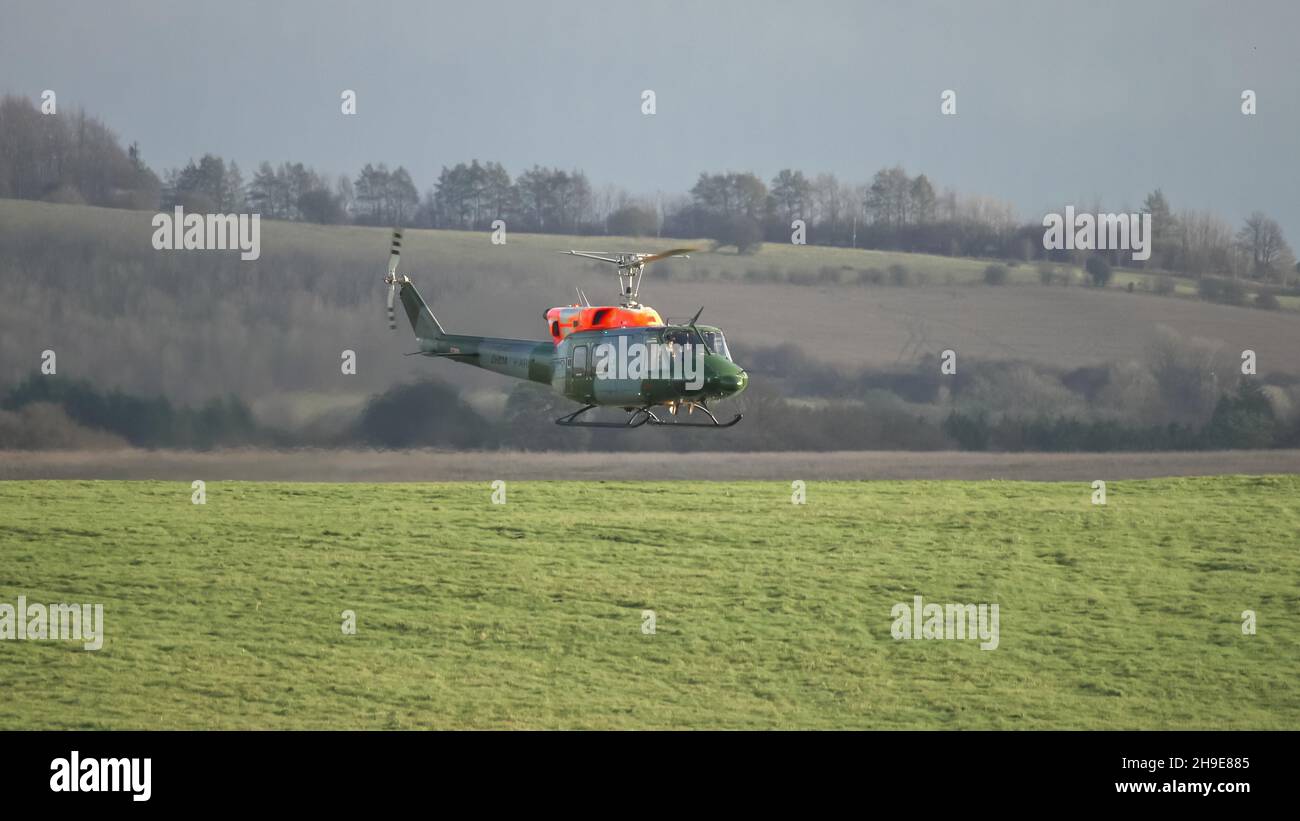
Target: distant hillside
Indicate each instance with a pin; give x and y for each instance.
(86, 283)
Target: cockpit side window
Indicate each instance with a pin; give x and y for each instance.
(676, 337)
(717, 343)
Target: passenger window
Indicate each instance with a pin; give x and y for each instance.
(580, 360)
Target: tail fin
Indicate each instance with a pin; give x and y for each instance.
(423, 322)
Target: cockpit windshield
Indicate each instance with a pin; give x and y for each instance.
(716, 343)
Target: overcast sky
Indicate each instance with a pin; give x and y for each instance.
(1056, 102)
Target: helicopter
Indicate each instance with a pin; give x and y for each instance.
(600, 356)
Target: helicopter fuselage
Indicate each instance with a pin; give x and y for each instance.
(629, 367)
(617, 367)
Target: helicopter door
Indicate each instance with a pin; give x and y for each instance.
(580, 373)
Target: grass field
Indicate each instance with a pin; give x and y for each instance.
(529, 614)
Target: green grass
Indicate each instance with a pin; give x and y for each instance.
(528, 614)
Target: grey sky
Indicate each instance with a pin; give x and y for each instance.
(1057, 102)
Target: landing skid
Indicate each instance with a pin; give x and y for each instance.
(641, 416)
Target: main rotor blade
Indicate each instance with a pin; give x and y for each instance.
(597, 255)
(676, 252)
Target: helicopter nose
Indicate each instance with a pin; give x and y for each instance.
(733, 383)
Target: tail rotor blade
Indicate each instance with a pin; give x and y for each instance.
(396, 255)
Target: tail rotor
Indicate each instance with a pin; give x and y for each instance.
(393, 258)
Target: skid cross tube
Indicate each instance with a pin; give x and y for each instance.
(711, 424)
(640, 416)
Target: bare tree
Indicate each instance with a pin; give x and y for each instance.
(1262, 241)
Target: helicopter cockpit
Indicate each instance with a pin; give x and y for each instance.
(713, 340)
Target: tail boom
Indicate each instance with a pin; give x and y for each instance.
(518, 358)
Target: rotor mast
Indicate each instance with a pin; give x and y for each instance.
(629, 283)
(631, 267)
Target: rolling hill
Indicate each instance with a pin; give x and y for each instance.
(86, 283)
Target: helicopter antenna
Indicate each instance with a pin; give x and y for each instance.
(630, 268)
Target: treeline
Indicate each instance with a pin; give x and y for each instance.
(893, 212)
(432, 414)
(138, 421)
(547, 200)
(1200, 243)
(1245, 420)
(70, 157)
